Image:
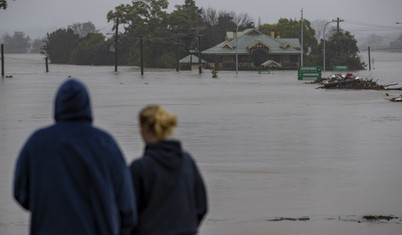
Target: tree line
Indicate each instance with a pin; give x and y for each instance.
(187, 29)
(21, 43)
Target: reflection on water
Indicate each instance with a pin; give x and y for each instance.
(269, 146)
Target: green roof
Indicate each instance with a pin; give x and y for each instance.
(271, 63)
(251, 37)
(192, 58)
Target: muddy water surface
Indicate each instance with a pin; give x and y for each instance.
(272, 149)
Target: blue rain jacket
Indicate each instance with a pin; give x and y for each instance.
(171, 196)
(72, 176)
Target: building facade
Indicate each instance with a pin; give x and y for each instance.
(254, 50)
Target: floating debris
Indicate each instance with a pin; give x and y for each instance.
(372, 219)
(349, 81)
(289, 219)
(379, 217)
(395, 99)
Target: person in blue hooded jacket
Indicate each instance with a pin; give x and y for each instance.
(171, 196)
(72, 176)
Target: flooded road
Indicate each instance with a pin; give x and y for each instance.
(269, 146)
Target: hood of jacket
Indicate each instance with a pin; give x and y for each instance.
(167, 153)
(72, 102)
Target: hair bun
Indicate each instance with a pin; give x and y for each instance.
(159, 120)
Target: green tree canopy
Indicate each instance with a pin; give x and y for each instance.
(167, 35)
(143, 16)
(287, 28)
(184, 23)
(342, 49)
(92, 50)
(60, 44)
(146, 19)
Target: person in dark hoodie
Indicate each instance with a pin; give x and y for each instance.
(171, 196)
(72, 176)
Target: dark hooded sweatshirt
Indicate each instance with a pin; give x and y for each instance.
(171, 196)
(72, 176)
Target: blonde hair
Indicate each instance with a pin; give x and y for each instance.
(160, 121)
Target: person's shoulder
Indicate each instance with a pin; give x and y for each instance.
(47, 130)
(99, 130)
(138, 163)
(187, 155)
(102, 133)
(143, 163)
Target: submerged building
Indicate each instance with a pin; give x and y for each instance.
(254, 50)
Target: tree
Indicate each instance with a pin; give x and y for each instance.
(341, 49)
(146, 18)
(292, 29)
(242, 20)
(3, 4)
(60, 44)
(267, 28)
(218, 23)
(143, 16)
(166, 35)
(286, 28)
(184, 23)
(318, 26)
(37, 45)
(397, 44)
(18, 43)
(373, 41)
(92, 50)
(83, 29)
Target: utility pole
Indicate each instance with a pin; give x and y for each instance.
(237, 52)
(47, 64)
(116, 36)
(323, 60)
(191, 60)
(199, 51)
(2, 60)
(142, 61)
(301, 53)
(177, 56)
(337, 24)
(369, 58)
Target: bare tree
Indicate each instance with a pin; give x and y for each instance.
(318, 26)
(243, 20)
(210, 16)
(83, 29)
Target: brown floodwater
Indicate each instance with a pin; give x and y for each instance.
(278, 156)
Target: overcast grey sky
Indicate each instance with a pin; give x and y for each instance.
(37, 17)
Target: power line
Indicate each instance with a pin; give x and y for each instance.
(371, 25)
(382, 48)
(104, 27)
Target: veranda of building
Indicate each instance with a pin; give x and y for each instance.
(254, 50)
